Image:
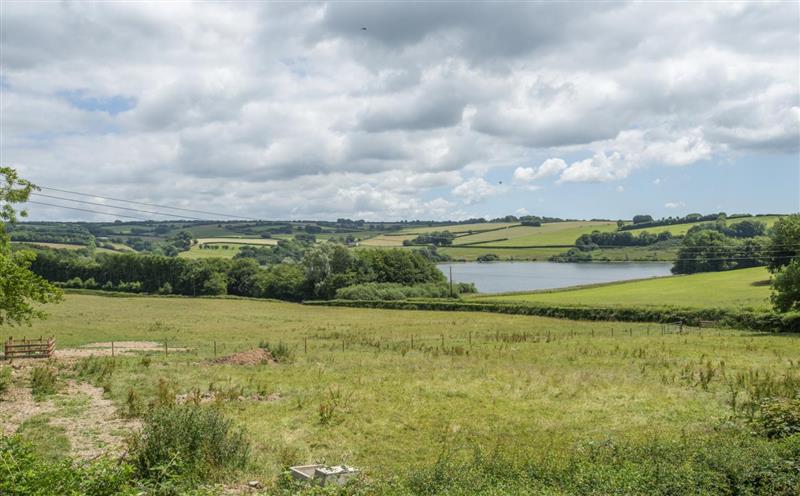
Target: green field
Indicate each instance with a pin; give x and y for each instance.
(468, 379)
(732, 289)
(221, 251)
(459, 228)
(554, 233)
(57, 246)
(237, 240)
(384, 240)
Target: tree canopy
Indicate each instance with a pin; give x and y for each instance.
(20, 289)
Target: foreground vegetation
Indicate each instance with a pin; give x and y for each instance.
(458, 403)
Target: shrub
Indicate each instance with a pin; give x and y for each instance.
(188, 443)
(488, 257)
(392, 291)
(165, 289)
(779, 417)
(280, 352)
(22, 472)
(43, 381)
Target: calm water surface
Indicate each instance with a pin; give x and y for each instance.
(498, 277)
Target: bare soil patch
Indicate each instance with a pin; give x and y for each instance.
(256, 356)
(99, 429)
(90, 420)
(17, 404)
(105, 349)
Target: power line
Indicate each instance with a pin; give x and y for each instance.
(114, 206)
(148, 204)
(86, 210)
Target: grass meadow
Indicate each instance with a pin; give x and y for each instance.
(222, 251)
(385, 390)
(555, 233)
(743, 288)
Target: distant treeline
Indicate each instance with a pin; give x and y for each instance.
(616, 239)
(323, 270)
(644, 221)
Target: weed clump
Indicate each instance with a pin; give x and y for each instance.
(280, 352)
(44, 381)
(5, 379)
(23, 471)
(188, 444)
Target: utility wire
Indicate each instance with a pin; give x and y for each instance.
(185, 217)
(148, 204)
(86, 210)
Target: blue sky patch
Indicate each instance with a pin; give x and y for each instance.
(111, 105)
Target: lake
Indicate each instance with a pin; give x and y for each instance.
(499, 277)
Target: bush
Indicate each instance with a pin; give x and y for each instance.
(786, 287)
(392, 291)
(280, 352)
(780, 417)
(188, 443)
(165, 289)
(488, 257)
(43, 381)
(22, 472)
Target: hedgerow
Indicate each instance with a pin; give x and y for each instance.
(737, 319)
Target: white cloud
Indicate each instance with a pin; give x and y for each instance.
(674, 205)
(549, 167)
(620, 189)
(632, 150)
(597, 169)
(474, 190)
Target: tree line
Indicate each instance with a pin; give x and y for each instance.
(642, 221)
(323, 270)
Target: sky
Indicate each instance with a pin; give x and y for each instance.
(390, 111)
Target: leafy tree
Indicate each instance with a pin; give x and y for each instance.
(784, 245)
(216, 284)
(786, 287)
(638, 219)
(747, 229)
(705, 251)
(282, 281)
(20, 288)
(436, 238)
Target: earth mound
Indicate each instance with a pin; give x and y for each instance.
(256, 356)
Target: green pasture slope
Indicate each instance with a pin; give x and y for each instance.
(550, 234)
(735, 289)
(682, 229)
(547, 387)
